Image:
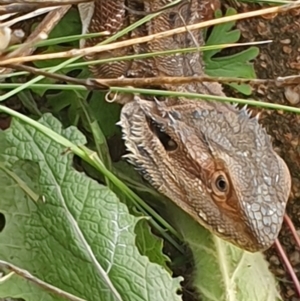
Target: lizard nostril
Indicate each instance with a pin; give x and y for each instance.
(168, 143)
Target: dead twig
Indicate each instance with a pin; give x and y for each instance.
(44, 28)
(130, 42)
(83, 82)
(41, 31)
(24, 6)
(155, 81)
(105, 83)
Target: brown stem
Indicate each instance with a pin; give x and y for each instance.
(288, 265)
(290, 224)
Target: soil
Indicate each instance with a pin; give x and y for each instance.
(279, 59)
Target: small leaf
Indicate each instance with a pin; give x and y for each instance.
(237, 65)
(150, 245)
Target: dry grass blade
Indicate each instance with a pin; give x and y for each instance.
(26, 275)
(26, 6)
(129, 42)
(44, 3)
(154, 81)
(30, 15)
(40, 32)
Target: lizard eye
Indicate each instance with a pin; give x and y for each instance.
(220, 183)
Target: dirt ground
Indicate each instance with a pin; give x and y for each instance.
(278, 59)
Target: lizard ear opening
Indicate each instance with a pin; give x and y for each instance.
(168, 143)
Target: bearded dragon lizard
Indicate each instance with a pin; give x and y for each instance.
(212, 159)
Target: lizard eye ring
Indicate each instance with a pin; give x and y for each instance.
(220, 183)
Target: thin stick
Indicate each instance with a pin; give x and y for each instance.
(44, 28)
(48, 287)
(105, 83)
(160, 35)
(292, 229)
(84, 82)
(288, 265)
(154, 81)
(43, 3)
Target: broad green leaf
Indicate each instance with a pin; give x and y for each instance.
(81, 238)
(224, 272)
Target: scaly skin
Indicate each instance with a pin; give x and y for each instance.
(211, 159)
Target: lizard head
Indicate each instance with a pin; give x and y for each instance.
(215, 162)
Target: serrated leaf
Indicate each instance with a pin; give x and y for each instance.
(234, 64)
(222, 33)
(81, 239)
(224, 272)
(237, 65)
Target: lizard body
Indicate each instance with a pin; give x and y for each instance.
(212, 159)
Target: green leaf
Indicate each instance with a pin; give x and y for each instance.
(107, 114)
(65, 100)
(224, 272)
(237, 65)
(69, 25)
(69, 100)
(81, 238)
(147, 243)
(221, 34)
(150, 245)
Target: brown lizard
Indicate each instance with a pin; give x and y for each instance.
(212, 159)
